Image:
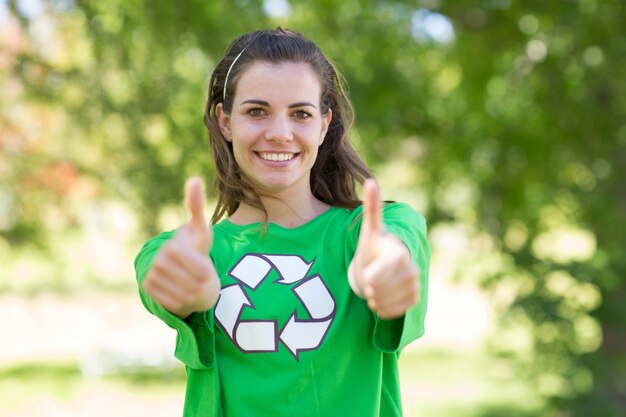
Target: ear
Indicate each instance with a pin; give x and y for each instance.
(223, 119)
(325, 124)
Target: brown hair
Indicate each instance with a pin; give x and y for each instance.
(337, 168)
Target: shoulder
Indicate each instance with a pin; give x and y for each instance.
(148, 251)
(392, 212)
(403, 212)
(159, 239)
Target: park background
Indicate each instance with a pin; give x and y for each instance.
(502, 121)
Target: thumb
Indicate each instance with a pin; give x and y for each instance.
(372, 218)
(201, 234)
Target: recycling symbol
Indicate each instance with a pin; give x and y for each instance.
(263, 335)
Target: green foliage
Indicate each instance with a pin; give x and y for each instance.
(515, 130)
(544, 148)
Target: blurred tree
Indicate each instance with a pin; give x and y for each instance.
(510, 117)
(542, 134)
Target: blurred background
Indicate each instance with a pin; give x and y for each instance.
(502, 121)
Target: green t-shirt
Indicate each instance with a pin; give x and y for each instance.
(287, 336)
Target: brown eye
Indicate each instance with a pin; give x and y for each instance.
(301, 114)
(255, 112)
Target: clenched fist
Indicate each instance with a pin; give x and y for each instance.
(382, 271)
(182, 277)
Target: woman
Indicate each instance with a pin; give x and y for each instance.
(300, 300)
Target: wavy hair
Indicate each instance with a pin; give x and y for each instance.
(337, 168)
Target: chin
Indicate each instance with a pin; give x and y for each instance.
(277, 186)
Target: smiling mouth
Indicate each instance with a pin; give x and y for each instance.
(276, 157)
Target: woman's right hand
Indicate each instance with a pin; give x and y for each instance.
(182, 277)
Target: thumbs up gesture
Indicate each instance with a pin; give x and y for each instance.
(382, 271)
(182, 277)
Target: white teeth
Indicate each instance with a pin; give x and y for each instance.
(277, 157)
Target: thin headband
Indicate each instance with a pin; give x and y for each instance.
(228, 73)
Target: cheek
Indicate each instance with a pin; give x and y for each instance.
(244, 133)
(239, 152)
(239, 137)
(313, 134)
(314, 152)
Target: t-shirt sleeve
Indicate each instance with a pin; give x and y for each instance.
(195, 345)
(410, 227)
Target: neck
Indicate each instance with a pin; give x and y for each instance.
(287, 211)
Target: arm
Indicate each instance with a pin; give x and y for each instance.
(182, 277)
(382, 271)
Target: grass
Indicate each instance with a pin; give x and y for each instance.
(60, 389)
(435, 383)
(439, 383)
(21, 383)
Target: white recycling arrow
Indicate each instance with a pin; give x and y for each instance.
(316, 298)
(257, 336)
(228, 308)
(291, 268)
(303, 335)
(251, 270)
(262, 335)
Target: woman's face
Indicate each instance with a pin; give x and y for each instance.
(276, 126)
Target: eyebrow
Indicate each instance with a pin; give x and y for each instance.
(291, 106)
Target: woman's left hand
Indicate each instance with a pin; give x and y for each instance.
(382, 271)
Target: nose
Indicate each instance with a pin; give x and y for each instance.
(279, 130)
